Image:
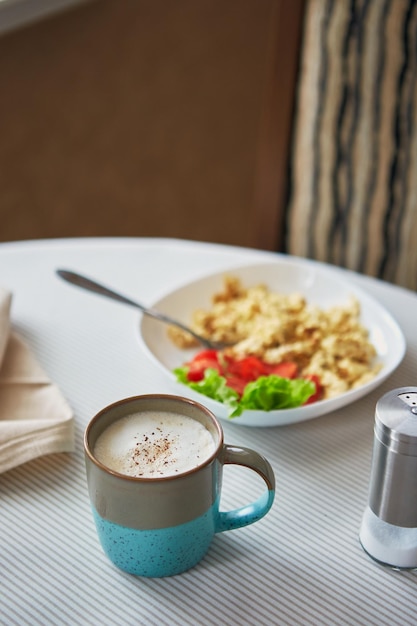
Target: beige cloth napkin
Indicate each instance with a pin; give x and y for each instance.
(34, 417)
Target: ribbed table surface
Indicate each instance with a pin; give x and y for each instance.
(302, 564)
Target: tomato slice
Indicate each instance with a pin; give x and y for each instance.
(206, 354)
(196, 369)
(319, 389)
(238, 372)
(287, 369)
(236, 383)
(203, 360)
(249, 368)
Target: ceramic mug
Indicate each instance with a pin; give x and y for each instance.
(163, 526)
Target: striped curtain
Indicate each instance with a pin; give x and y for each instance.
(353, 190)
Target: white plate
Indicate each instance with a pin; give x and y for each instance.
(320, 284)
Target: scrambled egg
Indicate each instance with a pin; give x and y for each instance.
(332, 343)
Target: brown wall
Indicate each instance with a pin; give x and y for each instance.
(134, 117)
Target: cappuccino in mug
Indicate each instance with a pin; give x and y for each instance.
(154, 444)
(154, 468)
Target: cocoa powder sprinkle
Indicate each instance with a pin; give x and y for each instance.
(155, 451)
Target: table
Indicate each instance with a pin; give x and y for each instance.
(302, 564)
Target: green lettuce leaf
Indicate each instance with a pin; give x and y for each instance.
(213, 386)
(271, 393)
(267, 393)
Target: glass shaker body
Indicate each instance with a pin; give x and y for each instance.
(389, 526)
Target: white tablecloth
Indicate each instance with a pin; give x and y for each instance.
(302, 564)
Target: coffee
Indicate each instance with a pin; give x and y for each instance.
(163, 526)
(154, 444)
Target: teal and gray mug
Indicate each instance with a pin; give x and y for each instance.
(162, 526)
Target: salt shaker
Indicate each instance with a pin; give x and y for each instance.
(388, 531)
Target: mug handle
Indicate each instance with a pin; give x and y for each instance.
(253, 512)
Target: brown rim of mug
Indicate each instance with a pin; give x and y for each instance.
(156, 396)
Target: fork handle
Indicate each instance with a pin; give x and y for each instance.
(91, 285)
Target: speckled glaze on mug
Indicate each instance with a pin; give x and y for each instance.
(164, 526)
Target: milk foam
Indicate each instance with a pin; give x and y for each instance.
(154, 444)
